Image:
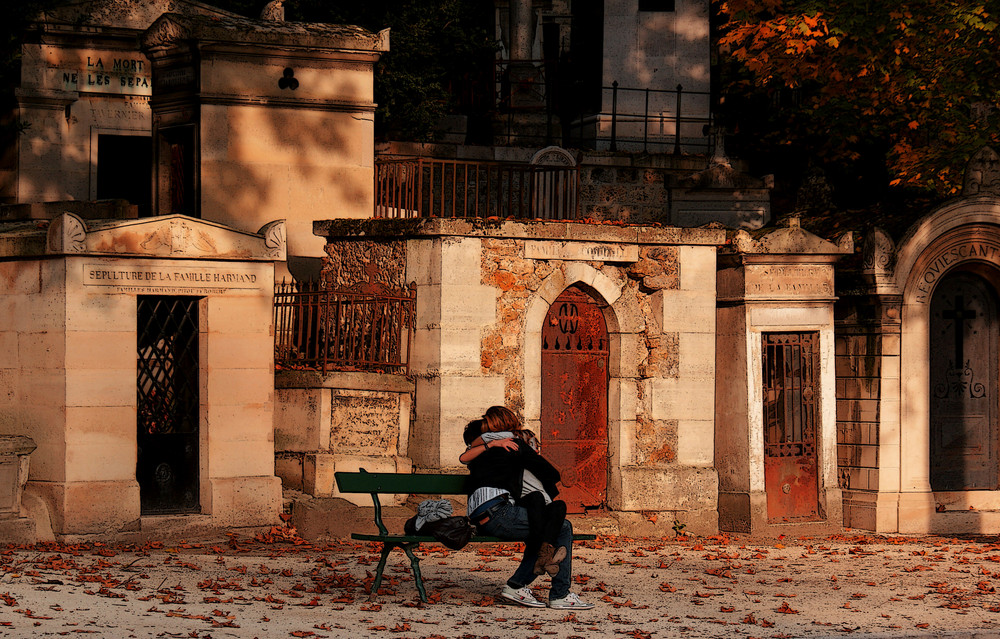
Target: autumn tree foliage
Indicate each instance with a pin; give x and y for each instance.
(906, 90)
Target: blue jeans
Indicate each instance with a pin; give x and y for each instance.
(511, 523)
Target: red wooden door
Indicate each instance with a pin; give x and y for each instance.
(791, 477)
(574, 412)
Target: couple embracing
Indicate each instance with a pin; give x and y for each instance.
(512, 491)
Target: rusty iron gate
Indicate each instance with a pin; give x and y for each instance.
(791, 480)
(963, 385)
(167, 466)
(322, 329)
(574, 411)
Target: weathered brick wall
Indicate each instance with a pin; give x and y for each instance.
(518, 279)
(859, 370)
(380, 262)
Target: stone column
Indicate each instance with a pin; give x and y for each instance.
(521, 28)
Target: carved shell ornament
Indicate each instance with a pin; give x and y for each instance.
(163, 33)
(67, 234)
(879, 251)
(274, 238)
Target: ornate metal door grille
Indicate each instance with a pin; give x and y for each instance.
(168, 404)
(791, 362)
(574, 415)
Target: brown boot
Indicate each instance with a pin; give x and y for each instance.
(557, 556)
(545, 553)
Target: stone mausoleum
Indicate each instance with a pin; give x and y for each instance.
(139, 350)
(686, 363)
(917, 378)
(136, 355)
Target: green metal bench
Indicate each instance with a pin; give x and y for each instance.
(396, 483)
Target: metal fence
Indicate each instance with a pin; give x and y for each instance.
(415, 188)
(325, 330)
(668, 121)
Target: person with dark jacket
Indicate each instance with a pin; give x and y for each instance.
(498, 470)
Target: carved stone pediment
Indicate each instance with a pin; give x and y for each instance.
(792, 239)
(175, 236)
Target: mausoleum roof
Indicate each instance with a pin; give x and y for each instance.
(128, 14)
(171, 28)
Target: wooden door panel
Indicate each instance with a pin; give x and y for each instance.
(963, 385)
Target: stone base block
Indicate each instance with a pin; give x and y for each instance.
(81, 508)
(18, 530)
(667, 523)
(333, 518)
(964, 522)
(318, 470)
(36, 509)
(734, 512)
(746, 512)
(683, 494)
(289, 469)
(945, 513)
(246, 501)
(861, 510)
(681, 488)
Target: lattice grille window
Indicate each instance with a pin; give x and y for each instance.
(791, 362)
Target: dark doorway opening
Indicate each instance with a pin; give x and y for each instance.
(587, 56)
(124, 170)
(168, 408)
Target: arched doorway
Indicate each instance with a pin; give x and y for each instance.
(574, 406)
(963, 384)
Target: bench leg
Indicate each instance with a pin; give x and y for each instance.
(415, 564)
(386, 549)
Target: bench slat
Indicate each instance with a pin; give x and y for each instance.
(406, 539)
(443, 484)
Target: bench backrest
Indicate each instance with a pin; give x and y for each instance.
(375, 483)
(364, 482)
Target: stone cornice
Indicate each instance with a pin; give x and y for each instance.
(522, 230)
(172, 236)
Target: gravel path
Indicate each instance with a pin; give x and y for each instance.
(276, 585)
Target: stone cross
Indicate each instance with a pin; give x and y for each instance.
(959, 315)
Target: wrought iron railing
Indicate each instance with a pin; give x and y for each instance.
(609, 118)
(326, 330)
(420, 187)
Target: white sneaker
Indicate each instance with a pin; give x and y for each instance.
(522, 595)
(571, 601)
